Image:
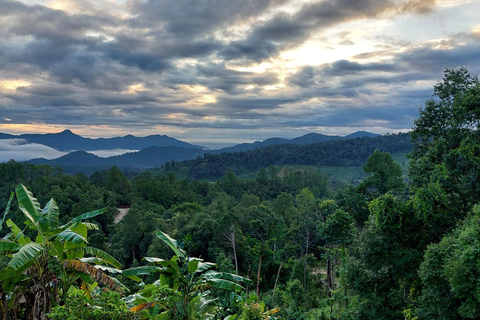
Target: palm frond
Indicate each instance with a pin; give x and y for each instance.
(153, 259)
(17, 232)
(102, 255)
(7, 246)
(225, 284)
(26, 255)
(172, 243)
(50, 211)
(90, 225)
(28, 204)
(133, 273)
(71, 236)
(98, 275)
(88, 215)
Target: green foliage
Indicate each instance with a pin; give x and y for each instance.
(349, 152)
(446, 140)
(339, 228)
(191, 278)
(102, 305)
(450, 273)
(386, 174)
(36, 261)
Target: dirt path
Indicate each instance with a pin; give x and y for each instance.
(122, 212)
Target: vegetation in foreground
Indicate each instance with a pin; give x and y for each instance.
(289, 247)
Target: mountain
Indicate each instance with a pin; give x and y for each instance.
(305, 139)
(76, 158)
(201, 164)
(361, 134)
(314, 138)
(154, 156)
(146, 158)
(333, 153)
(67, 141)
(252, 146)
(6, 136)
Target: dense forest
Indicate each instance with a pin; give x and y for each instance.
(271, 247)
(350, 152)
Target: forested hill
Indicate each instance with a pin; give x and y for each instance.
(87, 163)
(351, 152)
(67, 141)
(305, 139)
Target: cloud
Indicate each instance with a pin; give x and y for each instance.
(269, 66)
(110, 153)
(285, 31)
(20, 150)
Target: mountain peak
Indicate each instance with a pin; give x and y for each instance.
(361, 134)
(67, 132)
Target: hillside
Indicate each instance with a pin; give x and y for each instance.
(200, 164)
(67, 141)
(305, 139)
(337, 153)
(146, 158)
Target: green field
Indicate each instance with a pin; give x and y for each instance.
(351, 174)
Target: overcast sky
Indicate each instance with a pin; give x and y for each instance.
(222, 72)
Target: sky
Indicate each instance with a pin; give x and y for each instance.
(217, 73)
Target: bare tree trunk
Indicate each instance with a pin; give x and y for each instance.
(329, 278)
(258, 274)
(276, 280)
(307, 239)
(39, 302)
(248, 276)
(231, 238)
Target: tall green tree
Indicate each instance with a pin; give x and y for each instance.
(381, 267)
(450, 274)
(386, 174)
(447, 141)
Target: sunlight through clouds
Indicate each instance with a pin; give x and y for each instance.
(108, 68)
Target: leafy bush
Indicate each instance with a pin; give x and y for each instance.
(104, 305)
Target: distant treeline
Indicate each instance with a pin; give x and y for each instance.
(351, 152)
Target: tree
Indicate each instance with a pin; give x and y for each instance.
(386, 174)
(54, 258)
(182, 290)
(450, 276)
(447, 141)
(381, 266)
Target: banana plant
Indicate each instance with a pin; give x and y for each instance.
(183, 288)
(55, 257)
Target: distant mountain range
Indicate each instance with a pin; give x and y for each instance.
(69, 141)
(155, 150)
(147, 158)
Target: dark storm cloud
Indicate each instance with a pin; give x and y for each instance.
(309, 76)
(345, 67)
(243, 106)
(183, 18)
(217, 76)
(268, 39)
(428, 59)
(44, 23)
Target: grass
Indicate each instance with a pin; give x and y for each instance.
(346, 174)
